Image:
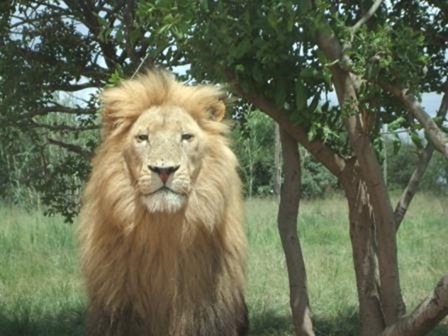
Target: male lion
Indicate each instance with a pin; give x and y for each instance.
(163, 247)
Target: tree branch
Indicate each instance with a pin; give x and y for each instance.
(332, 161)
(426, 316)
(414, 181)
(424, 159)
(366, 16)
(71, 147)
(71, 87)
(128, 20)
(438, 138)
(64, 127)
(95, 72)
(58, 108)
(89, 18)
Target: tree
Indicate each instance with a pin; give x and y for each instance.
(283, 56)
(52, 50)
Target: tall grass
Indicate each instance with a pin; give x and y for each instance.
(324, 234)
(41, 291)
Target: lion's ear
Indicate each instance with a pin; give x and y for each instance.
(216, 110)
(118, 109)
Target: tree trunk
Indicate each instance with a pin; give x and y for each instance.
(345, 85)
(340, 167)
(287, 225)
(277, 161)
(364, 250)
(426, 316)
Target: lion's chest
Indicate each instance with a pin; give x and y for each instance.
(167, 273)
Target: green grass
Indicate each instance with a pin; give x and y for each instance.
(40, 288)
(41, 291)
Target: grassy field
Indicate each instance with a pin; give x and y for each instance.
(41, 292)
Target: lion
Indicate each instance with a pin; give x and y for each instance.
(162, 242)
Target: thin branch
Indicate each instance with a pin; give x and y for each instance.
(72, 87)
(413, 184)
(438, 138)
(129, 25)
(366, 16)
(64, 127)
(95, 72)
(57, 108)
(71, 147)
(88, 16)
(424, 159)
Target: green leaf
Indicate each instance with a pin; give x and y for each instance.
(416, 140)
(396, 124)
(204, 5)
(241, 48)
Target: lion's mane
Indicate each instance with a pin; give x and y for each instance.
(157, 274)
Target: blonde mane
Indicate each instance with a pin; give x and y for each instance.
(163, 273)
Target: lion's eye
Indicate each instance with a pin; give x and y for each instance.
(142, 137)
(187, 136)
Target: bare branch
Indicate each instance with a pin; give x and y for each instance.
(426, 316)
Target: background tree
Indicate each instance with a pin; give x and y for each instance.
(52, 51)
(402, 162)
(253, 143)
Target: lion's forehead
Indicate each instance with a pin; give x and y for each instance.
(165, 120)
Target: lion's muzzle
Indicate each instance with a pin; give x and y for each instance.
(163, 172)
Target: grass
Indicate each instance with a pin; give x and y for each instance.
(41, 291)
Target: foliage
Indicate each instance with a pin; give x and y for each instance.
(49, 51)
(265, 44)
(317, 181)
(54, 58)
(253, 137)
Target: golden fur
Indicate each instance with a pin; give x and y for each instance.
(163, 247)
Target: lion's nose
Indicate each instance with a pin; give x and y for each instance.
(163, 172)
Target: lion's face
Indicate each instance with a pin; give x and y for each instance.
(163, 154)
